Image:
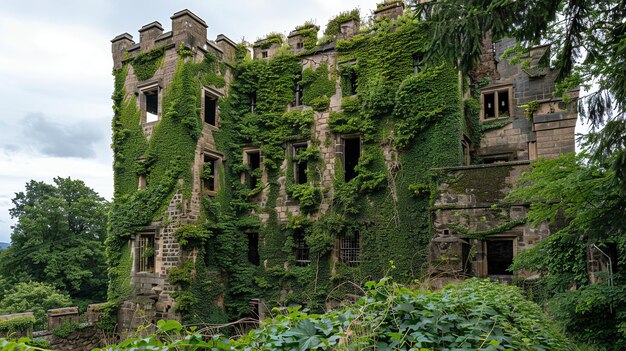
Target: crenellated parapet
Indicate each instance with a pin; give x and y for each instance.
(389, 9)
(188, 30)
(267, 47)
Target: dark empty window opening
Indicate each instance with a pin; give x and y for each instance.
(353, 81)
(254, 164)
(145, 253)
(264, 54)
(209, 173)
(253, 248)
(489, 105)
(499, 256)
(298, 95)
(152, 105)
(253, 101)
(503, 103)
(417, 62)
(300, 45)
(210, 109)
(351, 155)
(466, 151)
(489, 159)
(350, 249)
(300, 164)
(301, 251)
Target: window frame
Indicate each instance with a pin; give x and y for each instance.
(294, 147)
(247, 176)
(349, 247)
(301, 251)
(352, 78)
(496, 92)
(342, 152)
(143, 91)
(214, 95)
(418, 60)
(143, 240)
(217, 165)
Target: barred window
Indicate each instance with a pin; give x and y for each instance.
(301, 250)
(350, 249)
(145, 253)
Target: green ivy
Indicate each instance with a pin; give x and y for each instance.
(271, 39)
(309, 32)
(145, 64)
(17, 324)
(482, 234)
(317, 87)
(334, 24)
(164, 159)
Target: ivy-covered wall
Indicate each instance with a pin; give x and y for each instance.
(365, 87)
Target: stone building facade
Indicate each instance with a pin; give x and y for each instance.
(476, 231)
(473, 231)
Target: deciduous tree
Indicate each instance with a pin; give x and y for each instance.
(59, 238)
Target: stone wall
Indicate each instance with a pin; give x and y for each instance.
(151, 299)
(470, 211)
(515, 137)
(82, 339)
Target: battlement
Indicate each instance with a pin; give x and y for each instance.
(389, 9)
(267, 47)
(187, 29)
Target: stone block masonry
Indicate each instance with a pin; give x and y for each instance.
(254, 240)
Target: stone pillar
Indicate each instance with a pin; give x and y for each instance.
(119, 44)
(148, 34)
(189, 29)
(390, 10)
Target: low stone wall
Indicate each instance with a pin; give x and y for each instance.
(83, 339)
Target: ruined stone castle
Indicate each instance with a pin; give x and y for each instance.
(293, 169)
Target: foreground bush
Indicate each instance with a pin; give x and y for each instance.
(475, 315)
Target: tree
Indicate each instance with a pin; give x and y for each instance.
(588, 39)
(580, 197)
(59, 238)
(34, 297)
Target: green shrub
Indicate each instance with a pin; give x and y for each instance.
(17, 325)
(35, 297)
(474, 315)
(66, 329)
(593, 314)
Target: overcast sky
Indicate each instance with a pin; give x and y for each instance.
(56, 83)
